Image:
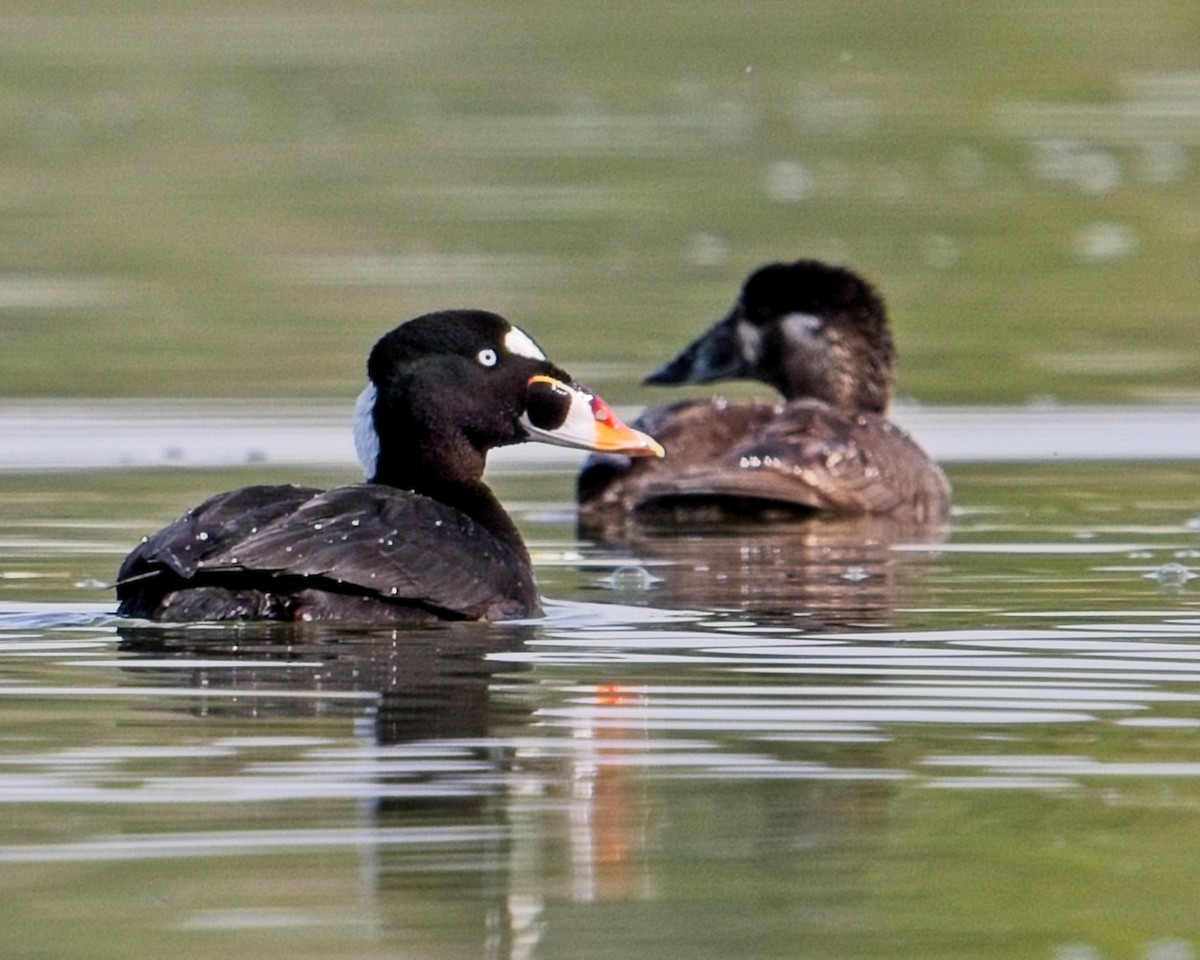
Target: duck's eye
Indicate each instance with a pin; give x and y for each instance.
(487, 357)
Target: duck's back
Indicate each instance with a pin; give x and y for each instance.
(756, 457)
(366, 552)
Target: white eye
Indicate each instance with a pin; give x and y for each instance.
(487, 357)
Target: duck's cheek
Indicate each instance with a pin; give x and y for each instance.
(563, 414)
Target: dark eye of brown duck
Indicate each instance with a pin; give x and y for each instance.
(546, 404)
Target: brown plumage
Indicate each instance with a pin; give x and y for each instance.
(819, 335)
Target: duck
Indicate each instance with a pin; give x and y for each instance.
(818, 334)
(423, 538)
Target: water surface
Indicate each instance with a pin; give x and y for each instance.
(821, 738)
(843, 741)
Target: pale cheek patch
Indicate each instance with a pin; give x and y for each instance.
(749, 341)
(800, 328)
(519, 342)
(366, 440)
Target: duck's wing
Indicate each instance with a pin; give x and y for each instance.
(812, 456)
(219, 523)
(363, 540)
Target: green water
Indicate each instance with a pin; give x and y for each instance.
(977, 747)
(770, 745)
(224, 199)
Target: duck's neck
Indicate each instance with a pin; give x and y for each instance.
(838, 382)
(453, 477)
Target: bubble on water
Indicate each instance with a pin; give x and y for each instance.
(1076, 951)
(1171, 575)
(1091, 171)
(894, 186)
(1101, 242)
(707, 250)
(1169, 949)
(1163, 161)
(1097, 172)
(1193, 523)
(855, 574)
(629, 577)
(789, 181)
(940, 251)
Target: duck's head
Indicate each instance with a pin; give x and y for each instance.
(446, 387)
(805, 328)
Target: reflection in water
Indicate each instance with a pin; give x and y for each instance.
(439, 761)
(432, 764)
(533, 800)
(431, 683)
(831, 572)
(657, 786)
(629, 779)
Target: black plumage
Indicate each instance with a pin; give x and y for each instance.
(424, 539)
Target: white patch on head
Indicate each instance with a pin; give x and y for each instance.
(366, 439)
(578, 426)
(800, 328)
(749, 340)
(518, 341)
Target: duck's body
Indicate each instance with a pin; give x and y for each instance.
(425, 539)
(758, 458)
(363, 552)
(819, 335)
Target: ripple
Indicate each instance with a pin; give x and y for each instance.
(245, 843)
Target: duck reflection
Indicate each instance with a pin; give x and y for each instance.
(431, 764)
(427, 682)
(811, 571)
(548, 791)
(448, 756)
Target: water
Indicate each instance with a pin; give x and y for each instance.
(230, 200)
(823, 739)
(841, 741)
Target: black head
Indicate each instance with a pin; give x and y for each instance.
(484, 341)
(807, 329)
(446, 387)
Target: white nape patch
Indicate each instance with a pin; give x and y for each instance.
(366, 439)
(749, 339)
(519, 342)
(800, 328)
